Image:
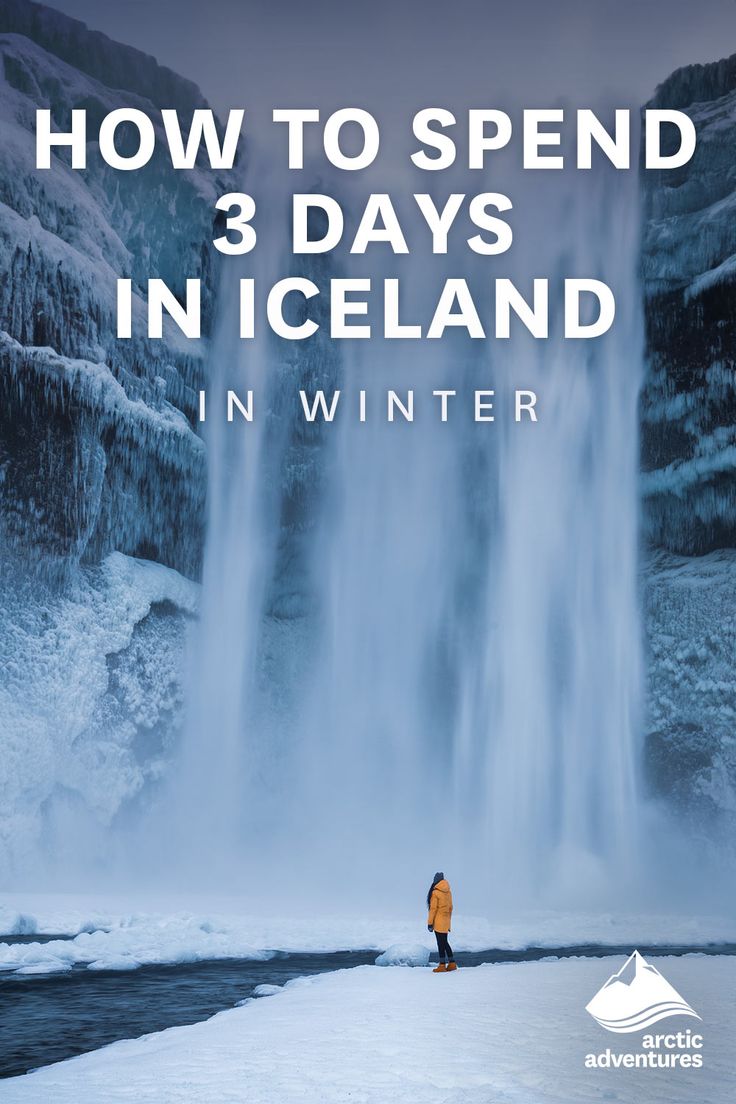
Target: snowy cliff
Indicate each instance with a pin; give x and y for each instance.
(689, 269)
(97, 473)
(689, 454)
(99, 460)
(690, 750)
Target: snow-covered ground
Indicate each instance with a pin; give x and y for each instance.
(491, 1035)
(112, 934)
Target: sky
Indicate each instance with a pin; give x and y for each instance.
(414, 53)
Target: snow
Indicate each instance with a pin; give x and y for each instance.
(45, 968)
(95, 385)
(20, 924)
(691, 626)
(93, 211)
(108, 934)
(404, 954)
(138, 465)
(714, 455)
(511, 1034)
(689, 239)
(87, 672)
(720, 274)
(689, 257)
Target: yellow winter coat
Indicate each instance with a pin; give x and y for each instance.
(440, 907)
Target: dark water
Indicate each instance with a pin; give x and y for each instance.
(54, 1016)
(50, 1017)
(31, 938)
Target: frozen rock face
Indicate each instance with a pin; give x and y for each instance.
(689, 268)
(88, 469)
(98, 454)
(691, 623)
(78, 481)
(689, 456)
(90, 701)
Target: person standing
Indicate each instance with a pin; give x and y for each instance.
(439, 903)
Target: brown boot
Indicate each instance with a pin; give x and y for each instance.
(451, 966)
(441, 969)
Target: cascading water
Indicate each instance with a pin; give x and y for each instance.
(563, 664)
(211, 787)
(419, 643)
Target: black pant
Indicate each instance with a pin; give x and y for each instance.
(443, 947)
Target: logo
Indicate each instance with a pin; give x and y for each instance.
(636, 997)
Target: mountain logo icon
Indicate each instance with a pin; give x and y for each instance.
(636, 997)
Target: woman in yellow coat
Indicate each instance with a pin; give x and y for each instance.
(439, 903)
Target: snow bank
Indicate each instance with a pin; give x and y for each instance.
(404, 954)
(105, 936)
(146, 942)
(492, 1035)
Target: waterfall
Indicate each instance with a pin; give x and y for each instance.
(420, 643)
(211, 787)
(562, 669)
